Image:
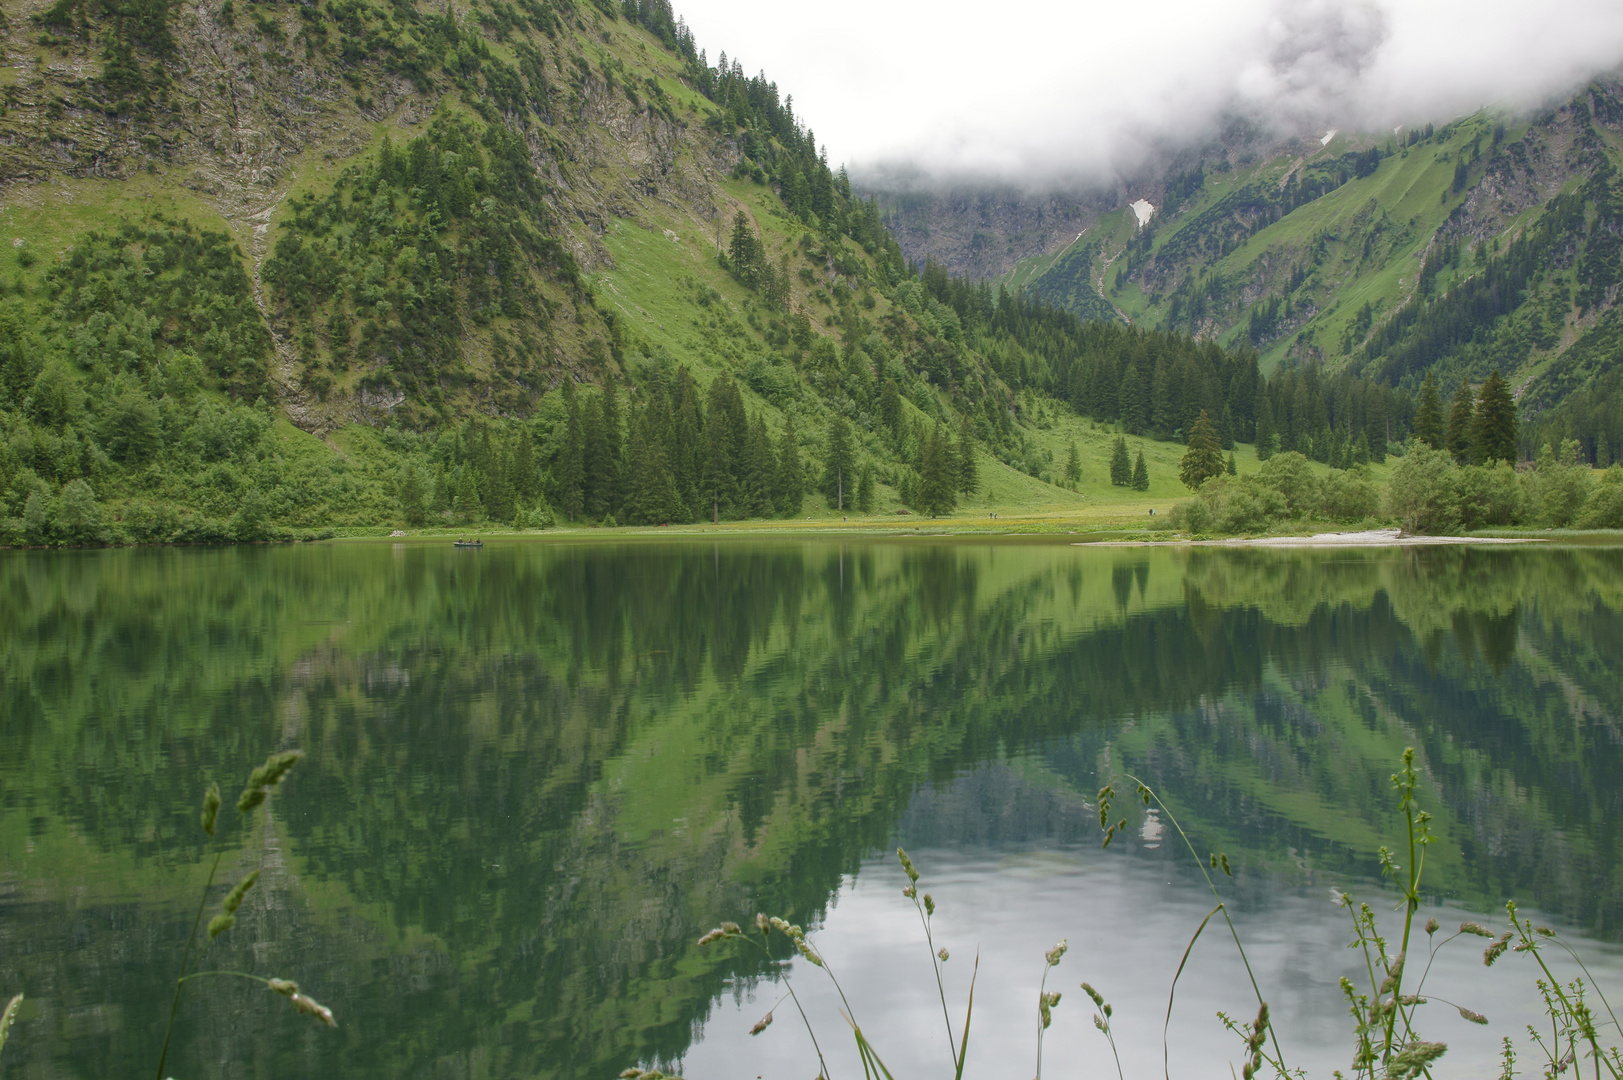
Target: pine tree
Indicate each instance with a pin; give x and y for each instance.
(890, 408)
(790, 490)
(1267, 434)
(1494, 437)
(651, 498)
(1230, 467)
(1204, 457)
(726, 432)
(1073, 464)
(968, 478)
(1461, 419)
(596, 489)
(1121, 466)
(467, 496)
(571, 471)
(1428, 414)
(1135, 406)
(865, 489)
(1141, 474)
(837, 460)
(613, 448)
(413, 494)
(937, 475)
(759, 471)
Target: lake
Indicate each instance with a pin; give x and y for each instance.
(537, 773)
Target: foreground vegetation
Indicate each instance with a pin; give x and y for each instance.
(1387, 1012)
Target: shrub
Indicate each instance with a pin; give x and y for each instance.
(1560, 485)
(1291, 476)
(1349, 495)
(1604, 508)
(1423, 494)
(1489, 495)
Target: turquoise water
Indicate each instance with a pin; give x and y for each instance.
(537, 773)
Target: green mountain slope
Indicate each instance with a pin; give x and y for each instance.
(1490, 243)
(287, 266)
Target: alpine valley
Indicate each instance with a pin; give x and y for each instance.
(276, 268)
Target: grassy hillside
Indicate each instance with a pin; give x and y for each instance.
(1490, 243)
(283, 268)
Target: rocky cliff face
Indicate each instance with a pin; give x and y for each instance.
(226, 109)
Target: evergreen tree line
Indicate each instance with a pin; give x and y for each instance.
(1480, 426)
(672, 453)
(1341, 420)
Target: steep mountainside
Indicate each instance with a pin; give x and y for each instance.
(282, 265)
(1490, 243)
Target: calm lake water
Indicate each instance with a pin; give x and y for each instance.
(537, 773)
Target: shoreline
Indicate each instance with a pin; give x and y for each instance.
(1362, 539)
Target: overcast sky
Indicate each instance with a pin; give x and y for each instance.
(1056, 89)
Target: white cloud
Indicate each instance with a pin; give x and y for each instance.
(1048, 90)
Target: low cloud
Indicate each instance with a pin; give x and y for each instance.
(1058, 94)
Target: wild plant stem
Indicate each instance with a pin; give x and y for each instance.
(940, 988)
(185, 961)
(1210, 884)
(804, 1019)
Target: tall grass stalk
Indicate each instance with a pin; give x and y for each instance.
(1386, 1032)
(1148, 796)
(261, 782)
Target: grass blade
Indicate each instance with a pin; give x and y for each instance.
(963, 1048)
(1166, 1053)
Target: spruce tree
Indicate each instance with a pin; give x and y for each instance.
(890, 408)
(790, 490)
(651, 498)
(1231, 468)
(412, 494)
(571, 470)
(613, 447)
(1121, 466)
(1267, 434)
(1494, 437)
(598, 495)
(968, 478)
(865, 488)
(1073, 464)
(467, 496)
(1204, 457)
(1141, 474)
(1461, 420)
(837, 461)
(1428, 414)
(759, 470)
(937, 475)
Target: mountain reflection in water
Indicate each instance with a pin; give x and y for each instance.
(536, 776)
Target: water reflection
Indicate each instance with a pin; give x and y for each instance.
(537, 774)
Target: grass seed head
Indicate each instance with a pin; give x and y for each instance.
(730, 929)
(233, 899)
(220, 924)
(763, 924)
(285, 987)
(907, 866)
(311, 1007)
(714, 935)
(1431, 926)
(1496, 950)
(1475, 928)
(1053, 955)
(1474, 1017)
(211, 808)
(762, 1024)
(1098, 998)
(929, 903)
(942, 954)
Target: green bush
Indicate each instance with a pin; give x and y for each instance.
(1604, 508)
(1423, 493)
(1349, 495)
(1489, 495)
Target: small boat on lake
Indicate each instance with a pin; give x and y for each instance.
(468, 543)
